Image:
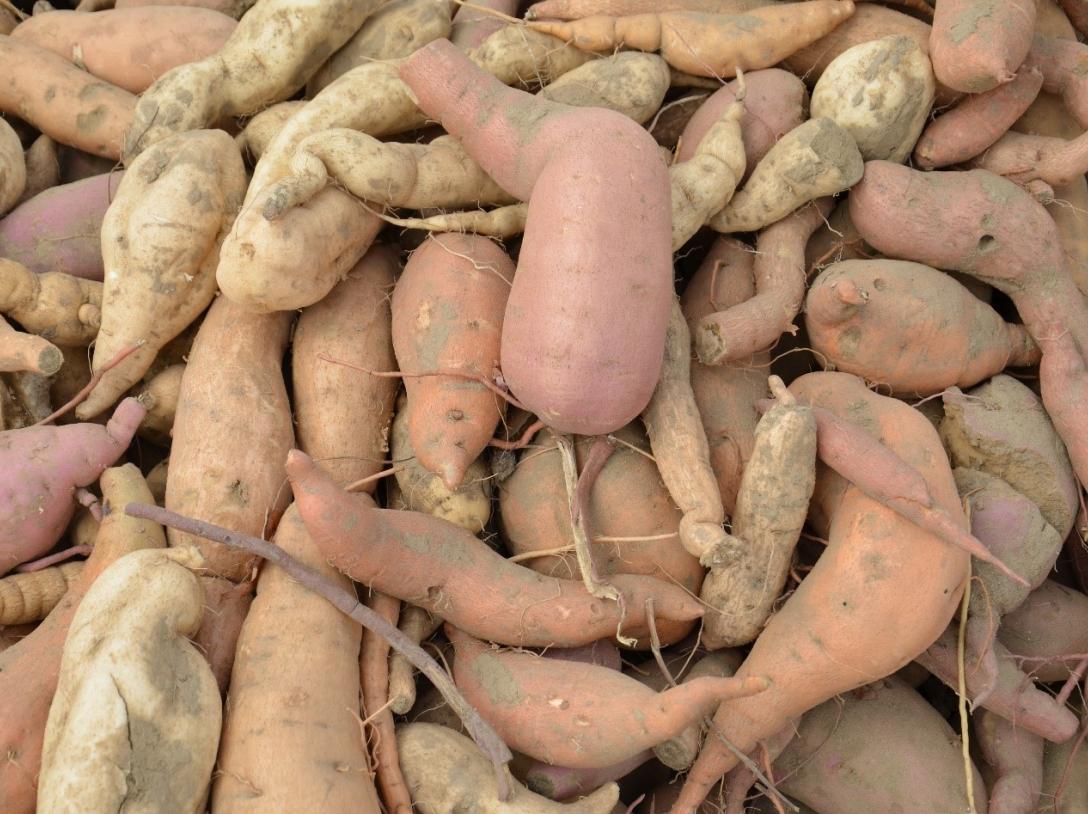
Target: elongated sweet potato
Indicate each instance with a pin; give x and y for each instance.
(833, 633)
(231, 431)
(941, 334)
(554, 355)
(448, 309)
(129, 48)
(160, 279)
(579, 715)
(281, 737)
(74, 108)
(342, 415)
(446, 570)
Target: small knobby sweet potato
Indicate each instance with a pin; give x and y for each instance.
(42, 167)
(60, 229)
(1016, 760)
(287, 743)
(29, 669)
(881, 579)
(134, 687)
(12, 168)
(880, 92)
(271, 53)
(726, 394)
(628, 507)
(909, 327)
(1052, 622)
(580, 715)
(129, 48)
(771, 508)
(977, 45)
(56, 306)
(159, 278)
(448, 308)
(225, 609)
(708, 44)
(582, 369)
(446, 570)
(774, 102)
(745, 328)
(881, 747)
(342, 414)
(232, 429)
(393, 31)
(30, 597)
(40, 469)
(976, 122)
(815, 159)
(1001, 428)
(159, 393)
(445, 771)
(467, 506)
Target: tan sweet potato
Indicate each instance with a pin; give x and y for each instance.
(12, 168)
(160, 395)
(342, 414)
(231, 432)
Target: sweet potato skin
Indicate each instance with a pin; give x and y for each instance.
(562, 330)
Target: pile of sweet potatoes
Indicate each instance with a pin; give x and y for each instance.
(580, 405)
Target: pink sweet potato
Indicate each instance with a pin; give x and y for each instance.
(585, 324)
(1049, 625)
(446, 570)
(40, 469)
(1016, 758)
(60, 229)
(977, 45)
(129, 48)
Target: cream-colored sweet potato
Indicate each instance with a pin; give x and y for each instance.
(12, 168)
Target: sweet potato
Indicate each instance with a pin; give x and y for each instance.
(474, 24)
(56, 306)
(565, 783)
(75, 108)
(879, 92)
(42, 167)
(28, 671)
(60, 229)
(30, 597)
(549, 612)
(815, 159)
(158, 280)
(774, 102)
(232, 8)
(12, 168)
(1001, 428)
(977, 122)
(726, 394)
(265, 126)
(833, 632)
(579, 715)
(771, 508)
(27, 352)
(1017, 760)
(1050, 624)
(1065, 767)
(577, 9)
(879, 748)
(448, 310)
(342, 415)
(159, 394)
(554, 356)
(628, 507)
(703, 44)
(757, 323)
(467, 506)
(134, 686)
(976, 46)
(129, 48)
(1023, 159)
(446, 772)
(943, 335)
(392, 32)
(1012, 694)
(42, 468)
(269, 55)
(231, 430)
(225, 608)
(869, 21)
(629, 82)
(286, 743)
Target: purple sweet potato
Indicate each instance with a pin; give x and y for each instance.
(59, 229)
(40, 469)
